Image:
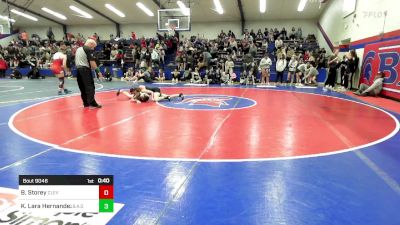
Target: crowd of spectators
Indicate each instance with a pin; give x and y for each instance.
(227, 58)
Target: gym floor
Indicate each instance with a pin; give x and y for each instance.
(223, 155)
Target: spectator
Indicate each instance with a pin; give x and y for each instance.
(300, 72)
(352, 66)
(175, 76)
(332, 65)
(155, 58)
(265, 32)
(299, 33)
(3, 67)
(229, 65)
(196, 79)
(280, 67)
(265, 65)
(311, 74)
(278, 43)
(292, 69)
(252, 34)
(253, 49)
(128, 75)
(284, 34)
(292, 34)
(50, 34)
(161, 75)
(187, 75)
(25, 38)
(373, 90)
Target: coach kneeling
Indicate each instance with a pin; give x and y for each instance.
(85, 61)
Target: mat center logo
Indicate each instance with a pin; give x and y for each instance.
(210, 102)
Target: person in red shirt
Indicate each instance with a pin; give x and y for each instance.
(133, 36)
(143, 43)
(3, 66)
(306, 56)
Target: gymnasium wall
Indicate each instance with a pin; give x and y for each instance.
(366, 25)
(6, 41)
(208, 30)
(367, 21)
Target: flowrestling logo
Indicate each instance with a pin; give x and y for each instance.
(210, 102)
(10, 214)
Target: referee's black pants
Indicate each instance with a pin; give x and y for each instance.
(86, 86)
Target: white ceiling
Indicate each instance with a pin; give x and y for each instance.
(202, 11)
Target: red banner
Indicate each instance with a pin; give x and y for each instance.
(383, 56)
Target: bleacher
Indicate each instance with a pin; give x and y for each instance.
(170, 60)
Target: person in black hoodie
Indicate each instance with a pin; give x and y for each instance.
(352, 65)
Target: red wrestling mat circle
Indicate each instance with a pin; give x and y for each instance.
(282, 124)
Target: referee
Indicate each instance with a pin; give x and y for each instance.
(84, 61)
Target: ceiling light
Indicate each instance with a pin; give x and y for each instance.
(185, 11)
(114, 10)
(145, 9)
(81, 12)
(302, 4)
(56, 14)
(218, 6)
(6, 18)
(24, 15)
(263, 6)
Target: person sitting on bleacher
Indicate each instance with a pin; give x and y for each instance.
(233, 44)
(271, 35)
(253, 49)
(266, 32)
(259, 35)
(245, 45)
(373, 90)
(284, 34)
(292, 34)
(299, 33)
(113, 54)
